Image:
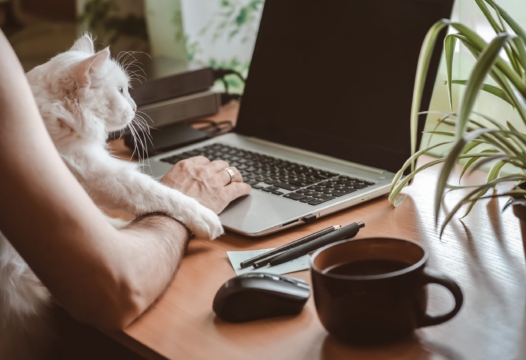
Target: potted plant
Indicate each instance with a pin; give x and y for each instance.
(502, 142)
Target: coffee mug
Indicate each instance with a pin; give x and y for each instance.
(374, 289)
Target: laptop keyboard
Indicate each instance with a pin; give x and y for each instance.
(279, 177)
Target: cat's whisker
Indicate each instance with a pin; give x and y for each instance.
(132, 131)
(142, 140)
(144, 115)
(145, 131)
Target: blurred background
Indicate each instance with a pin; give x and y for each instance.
(219, 33)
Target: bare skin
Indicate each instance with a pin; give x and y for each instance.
(100, 275)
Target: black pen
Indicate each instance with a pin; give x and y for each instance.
(288, 246)
(348, 231)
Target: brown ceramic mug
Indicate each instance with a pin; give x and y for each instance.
(374, 289)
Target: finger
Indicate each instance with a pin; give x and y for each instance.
(199, 160)
(237, 189)
(226, 176)
(218, 165)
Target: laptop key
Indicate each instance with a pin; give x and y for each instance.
(286, 186)
(307, 199)
(294, 196)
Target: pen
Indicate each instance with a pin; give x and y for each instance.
(345, 232)
(265, 261)
(288, 246)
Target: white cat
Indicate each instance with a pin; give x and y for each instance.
(82, 96)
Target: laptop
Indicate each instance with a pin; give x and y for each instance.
(324, 120)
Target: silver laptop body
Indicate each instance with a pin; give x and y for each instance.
(321, 93)
(262, 213)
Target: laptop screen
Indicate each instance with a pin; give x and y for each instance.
(336, 77)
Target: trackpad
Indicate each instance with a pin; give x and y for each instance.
(260, 211)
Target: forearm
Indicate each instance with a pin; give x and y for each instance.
(157, 246)
(137, 266)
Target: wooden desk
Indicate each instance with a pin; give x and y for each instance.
(484, 254)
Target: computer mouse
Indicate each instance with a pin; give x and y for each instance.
(260, 295)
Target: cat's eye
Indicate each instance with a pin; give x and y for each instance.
(121, 89)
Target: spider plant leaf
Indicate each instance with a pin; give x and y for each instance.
(472, 160)
(495, 171)
(514, 202)
(499, 77)
(475, 44)
(400, 185)
(520, 136)
(470, 146)
(494, 90)
(472, 203)
(450, 163)
(520, 51)
(496, 26)
(424, 60)
(482, 188)
(517, 29)
(487, 160)
(414, 157)
(450, 43)
(484, 64)
(445, 133)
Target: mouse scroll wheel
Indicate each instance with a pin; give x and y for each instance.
(255, 275)
(273, 277)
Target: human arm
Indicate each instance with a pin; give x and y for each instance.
(100, 275)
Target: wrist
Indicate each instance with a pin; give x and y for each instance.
(161, 220)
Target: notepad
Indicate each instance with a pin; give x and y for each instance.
(237, 257)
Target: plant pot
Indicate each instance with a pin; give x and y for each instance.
(520, 211)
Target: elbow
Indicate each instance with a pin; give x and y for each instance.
(113, 309)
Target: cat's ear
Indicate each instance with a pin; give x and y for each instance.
(84, 44)
(86, 68)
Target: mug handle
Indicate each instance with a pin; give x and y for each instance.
(431, 277)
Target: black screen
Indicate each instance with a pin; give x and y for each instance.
(336, 76)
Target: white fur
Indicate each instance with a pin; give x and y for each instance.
(82, 96)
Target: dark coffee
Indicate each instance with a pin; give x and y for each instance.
(367, 267)
(372, 290)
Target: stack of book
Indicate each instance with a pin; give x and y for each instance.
(175, 91)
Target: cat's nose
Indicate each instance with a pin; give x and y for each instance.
(135, 108)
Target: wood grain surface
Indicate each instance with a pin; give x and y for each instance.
(484, 253)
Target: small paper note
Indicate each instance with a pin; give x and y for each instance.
(237, 257)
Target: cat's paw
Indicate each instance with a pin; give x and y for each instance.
(205, 224)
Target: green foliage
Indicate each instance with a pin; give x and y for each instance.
(98, 16)
(505, 144)
(235, 19)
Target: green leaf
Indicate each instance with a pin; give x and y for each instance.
(470, 146)
(450, 43)
(399, 186)
(483, 188)
(519, 31)
(446, 133)
(494, 90)
(424, 60)
(496, 27)
(450, 163)
(471, 161)
(484, 64)
(519, 49)
(408, 162)
(495, 171)
(485, 161)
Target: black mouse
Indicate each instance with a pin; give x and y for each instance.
(260, 295)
